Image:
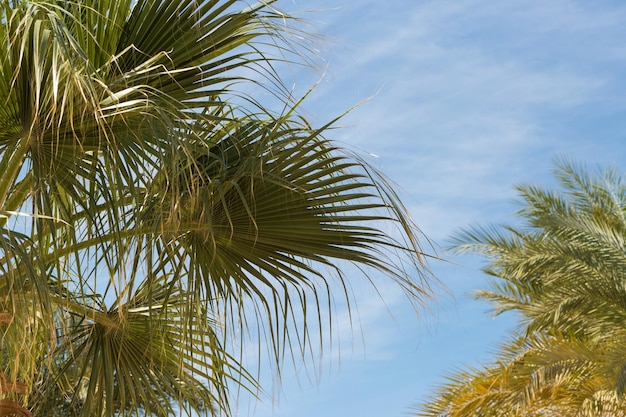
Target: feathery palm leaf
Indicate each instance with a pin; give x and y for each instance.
(563, 271)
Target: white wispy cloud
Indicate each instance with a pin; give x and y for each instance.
(468, 98)
(462, 91)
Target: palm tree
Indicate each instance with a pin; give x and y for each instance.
(563, 270)
(152, 212)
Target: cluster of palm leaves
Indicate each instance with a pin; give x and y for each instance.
(563, 270)
(151, 211)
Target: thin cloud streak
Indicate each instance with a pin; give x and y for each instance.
(449, 101)
(468, 99)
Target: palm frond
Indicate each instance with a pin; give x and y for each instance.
(164, 208)
(563, 270)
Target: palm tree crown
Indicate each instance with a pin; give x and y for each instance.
(150, 210)
(563, 270)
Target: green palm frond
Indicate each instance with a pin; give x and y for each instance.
(562, 269)
(270, 209)
(137, 357)
(151, 209)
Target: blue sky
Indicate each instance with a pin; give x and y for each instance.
(465, 99)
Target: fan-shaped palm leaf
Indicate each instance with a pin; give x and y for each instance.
(148, 213)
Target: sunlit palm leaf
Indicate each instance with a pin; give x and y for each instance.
(563, 271)
(269, 209)
(155, 204)
(137, 356)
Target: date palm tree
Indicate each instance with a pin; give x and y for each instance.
(153, 212)
(563, 270)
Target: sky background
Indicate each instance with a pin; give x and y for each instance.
(465, 100)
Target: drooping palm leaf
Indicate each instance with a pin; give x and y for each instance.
(162, 211)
